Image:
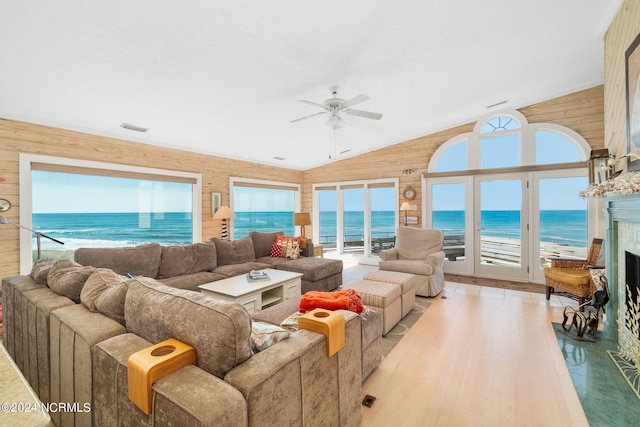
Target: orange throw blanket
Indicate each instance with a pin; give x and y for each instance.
(346, 299)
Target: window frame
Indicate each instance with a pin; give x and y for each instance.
(235, 181)
(26, 162)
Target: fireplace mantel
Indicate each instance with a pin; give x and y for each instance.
(622, 214)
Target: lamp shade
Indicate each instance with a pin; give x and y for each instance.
(405, 207)
(224, 212)
(303, 218)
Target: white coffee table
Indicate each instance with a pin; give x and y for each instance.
(256, 296)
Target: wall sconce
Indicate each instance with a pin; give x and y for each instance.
(405, 207)
(599, 169)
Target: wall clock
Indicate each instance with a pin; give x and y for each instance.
(409, 193)
(5, 205)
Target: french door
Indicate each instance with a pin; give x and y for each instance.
(501, 226)
(507, 226)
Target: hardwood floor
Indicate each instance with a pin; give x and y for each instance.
(479, 356)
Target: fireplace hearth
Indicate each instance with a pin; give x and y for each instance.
(623, 271)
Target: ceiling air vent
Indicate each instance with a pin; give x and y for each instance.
(278, 158)
(133, 127)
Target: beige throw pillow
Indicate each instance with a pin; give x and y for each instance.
(104, 292)
(67, 278)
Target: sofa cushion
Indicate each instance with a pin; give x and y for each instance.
(313, 269)
(412, 266)
(143, 260)
(238, 269)
(218, 330)
(104, 292)
(191, 281)
(262, 242)
(41, 269)
(234, 252)
(67, 278)
(96, 284)
(417, 243)
(179, 260)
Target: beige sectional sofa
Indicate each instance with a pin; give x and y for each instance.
(77, 352)
(186, 267)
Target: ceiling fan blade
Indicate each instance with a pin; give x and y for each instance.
(365, 114)
(355, 100)
(315, 104)
(309, 116)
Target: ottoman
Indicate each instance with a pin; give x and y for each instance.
(382, 297)
(406, 281)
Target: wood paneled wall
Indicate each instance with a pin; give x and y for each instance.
(623, 30)
(19, 137)
(581, 111)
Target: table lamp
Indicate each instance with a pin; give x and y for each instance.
(224, 213)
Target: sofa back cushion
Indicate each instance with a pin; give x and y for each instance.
(417, 243)
(234, 252)
(104, 292)
(67, 278)
(262, 242)
(143, 260)
(181, 260)
(40, 270)
(218, 330)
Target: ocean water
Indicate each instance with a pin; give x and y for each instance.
(174, 228)
(82, 230)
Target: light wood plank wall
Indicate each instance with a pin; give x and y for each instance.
(623, 30)
(581, 111)
(20, 137)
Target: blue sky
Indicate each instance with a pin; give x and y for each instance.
(64, 193)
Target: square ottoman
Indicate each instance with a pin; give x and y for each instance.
(382, 297)
(406, 281)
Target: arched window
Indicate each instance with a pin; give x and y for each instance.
(507, 140)
(501, 203)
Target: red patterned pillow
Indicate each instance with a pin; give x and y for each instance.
(276, 250)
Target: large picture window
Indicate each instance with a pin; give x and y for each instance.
(263, 206)
(92, 204)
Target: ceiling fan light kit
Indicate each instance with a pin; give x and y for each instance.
(335, 106)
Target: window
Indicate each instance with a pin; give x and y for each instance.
(263, 206)
(357, 218)
(509, 205)
(93, 204)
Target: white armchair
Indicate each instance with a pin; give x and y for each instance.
(417, 251)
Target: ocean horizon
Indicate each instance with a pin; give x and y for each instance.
(175, 228)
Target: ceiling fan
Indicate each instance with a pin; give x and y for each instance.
(335, 106)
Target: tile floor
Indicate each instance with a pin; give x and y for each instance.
(607, 399)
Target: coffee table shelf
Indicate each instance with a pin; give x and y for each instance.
(256, 296)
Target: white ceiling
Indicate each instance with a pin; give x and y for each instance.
(222, 77)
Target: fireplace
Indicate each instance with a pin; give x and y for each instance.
(623, 274)
(632, 282)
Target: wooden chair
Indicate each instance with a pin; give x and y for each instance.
(573, 276)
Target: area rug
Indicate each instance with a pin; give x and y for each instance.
(606, 398)
(402, 327)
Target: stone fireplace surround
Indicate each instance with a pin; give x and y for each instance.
(623, 235)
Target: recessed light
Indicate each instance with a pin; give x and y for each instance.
(133, 127)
